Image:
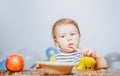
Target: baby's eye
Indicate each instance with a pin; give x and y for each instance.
(72, 34)
(62, 36)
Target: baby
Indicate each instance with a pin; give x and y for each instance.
(66, 35)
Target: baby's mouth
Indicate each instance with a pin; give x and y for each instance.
(71, 45)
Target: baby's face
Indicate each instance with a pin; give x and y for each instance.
(67, 37)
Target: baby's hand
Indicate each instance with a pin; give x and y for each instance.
(88, 52)
(38, 66)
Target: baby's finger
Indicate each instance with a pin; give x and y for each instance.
(84, 52)
(91, 53)
(75, 48)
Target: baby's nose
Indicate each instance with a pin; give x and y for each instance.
(69, 38)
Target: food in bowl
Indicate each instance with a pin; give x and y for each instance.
(56, 67)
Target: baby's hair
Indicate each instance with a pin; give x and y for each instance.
(64, 21)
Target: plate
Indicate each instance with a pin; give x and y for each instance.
(56, 63)
(56, 67)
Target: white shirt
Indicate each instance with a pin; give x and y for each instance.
(68, 57)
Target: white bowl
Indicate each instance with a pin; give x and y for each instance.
(56, 67)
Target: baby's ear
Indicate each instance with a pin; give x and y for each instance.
(56, 43)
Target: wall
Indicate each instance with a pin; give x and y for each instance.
(26, 24)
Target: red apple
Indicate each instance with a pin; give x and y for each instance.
(15, 63)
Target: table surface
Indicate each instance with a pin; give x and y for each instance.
(41, 73)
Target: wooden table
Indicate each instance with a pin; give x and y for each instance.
(41, 73)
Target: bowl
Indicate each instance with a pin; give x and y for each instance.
(56, 67)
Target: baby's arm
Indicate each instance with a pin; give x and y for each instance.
(101, 63)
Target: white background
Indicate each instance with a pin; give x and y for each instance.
(27, 24)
